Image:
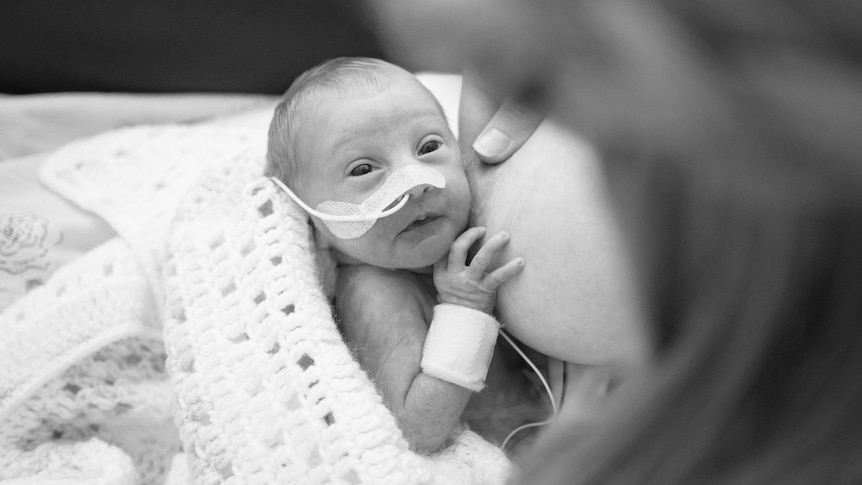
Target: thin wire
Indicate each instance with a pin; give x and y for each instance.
(544, 383)
(337, 218)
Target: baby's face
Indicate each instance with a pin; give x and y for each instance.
(354, 141)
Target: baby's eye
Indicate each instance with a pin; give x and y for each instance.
(360, 170)
(429, 147)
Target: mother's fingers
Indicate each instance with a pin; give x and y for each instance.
(507, 131)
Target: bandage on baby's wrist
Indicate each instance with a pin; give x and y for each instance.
(459, 345)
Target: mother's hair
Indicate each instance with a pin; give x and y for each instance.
(745, 207)
(731, 135)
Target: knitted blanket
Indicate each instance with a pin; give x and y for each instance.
(214, 273)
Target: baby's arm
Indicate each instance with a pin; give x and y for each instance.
(384, 316)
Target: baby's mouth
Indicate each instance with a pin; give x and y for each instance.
(420, 222)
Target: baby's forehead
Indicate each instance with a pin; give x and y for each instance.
(403, 95)
(331, 112)
(401, 81)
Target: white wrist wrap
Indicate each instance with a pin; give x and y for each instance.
(459, 345)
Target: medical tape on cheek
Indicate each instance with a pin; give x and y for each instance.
(373, 207)
(350, 221)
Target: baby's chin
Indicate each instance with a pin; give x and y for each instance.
(423, 256)
(417, 260)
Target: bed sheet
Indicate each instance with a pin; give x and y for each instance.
(41, 231)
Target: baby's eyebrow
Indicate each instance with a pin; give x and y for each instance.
(341, 144)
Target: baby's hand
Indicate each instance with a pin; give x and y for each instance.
(471, 286)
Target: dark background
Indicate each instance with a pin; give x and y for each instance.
(241, 46)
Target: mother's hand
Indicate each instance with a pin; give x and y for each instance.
(503, 133)
(447, 35)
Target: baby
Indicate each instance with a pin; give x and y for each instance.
(366, 149)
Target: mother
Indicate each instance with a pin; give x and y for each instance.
(730, 134)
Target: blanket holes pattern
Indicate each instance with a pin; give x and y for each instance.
(265, 389)
(86, 399)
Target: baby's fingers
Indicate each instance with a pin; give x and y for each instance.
(504, 273)
(486, 254)
(458, 253)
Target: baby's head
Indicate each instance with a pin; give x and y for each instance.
(342, 129)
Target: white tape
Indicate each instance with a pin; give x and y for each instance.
(350, 221)
(459, 345)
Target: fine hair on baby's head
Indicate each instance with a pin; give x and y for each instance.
(305, 95)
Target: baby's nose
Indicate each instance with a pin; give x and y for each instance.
(413, 192)
(418, 190)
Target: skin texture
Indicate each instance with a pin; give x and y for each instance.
(575, 299)
(385, 315)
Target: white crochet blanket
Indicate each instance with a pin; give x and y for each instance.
(258, 385)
